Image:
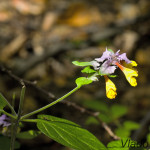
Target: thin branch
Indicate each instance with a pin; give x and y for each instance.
(95, 115)
(68, 103)
(26, 82)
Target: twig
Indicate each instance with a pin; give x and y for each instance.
(95, 115)
(26, 82)
(68, 103)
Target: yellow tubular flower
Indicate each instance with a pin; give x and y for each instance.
(129, 72)
(130, 76)
(110, 88)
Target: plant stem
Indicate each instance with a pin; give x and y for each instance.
(8, 114)
(18, 119)
(12, 109)
(30, 120)
(49, 105)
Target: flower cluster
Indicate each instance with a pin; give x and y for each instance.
(106, 66)
(4, 121)
(108, 63)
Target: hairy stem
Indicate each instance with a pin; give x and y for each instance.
(49, 105)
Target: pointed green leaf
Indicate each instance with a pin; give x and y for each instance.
(82, 64)
(88, 70)
(3, 101)
(70, 135)
(83, 81)
(28, 134)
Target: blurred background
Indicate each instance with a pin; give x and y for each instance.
(39, 39)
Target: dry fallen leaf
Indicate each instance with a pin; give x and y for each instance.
(79, 15)
(29, 7)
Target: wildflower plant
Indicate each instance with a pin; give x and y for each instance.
(61, 130)
(106, 66)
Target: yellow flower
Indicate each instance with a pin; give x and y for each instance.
(130, 76)
(133, 63)
(110, 88)
(129, 72)
(130, 65)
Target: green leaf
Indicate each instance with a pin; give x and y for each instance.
(110, 50)
(83, 81)
(56, 119)
(97, 105)
(148, 138)
(5, 143)
(88, 70)
(119, 144)
(91, 120)
(125, 130)
(82, 64)
(125, 144)
(69, 135)
(118, 111)
(122, 132)
(105, 117)
(28, 134)
(131, 125)
(3, 101)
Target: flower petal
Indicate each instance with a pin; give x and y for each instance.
(133, 63)
(124, 57)
(3, 117)
(106, 55)
(130, 76)
(110, 88)
(4, 121)
(95, 64)
(106, 69)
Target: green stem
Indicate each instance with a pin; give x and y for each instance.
(8, 114)
(29, 120)
(49, 105)
(13, 138)
(12, 109)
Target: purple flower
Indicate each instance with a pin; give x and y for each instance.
(4, 121)
(106, 69)
(95, 64)
(108, 61)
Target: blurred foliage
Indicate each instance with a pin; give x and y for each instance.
(5, 143)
